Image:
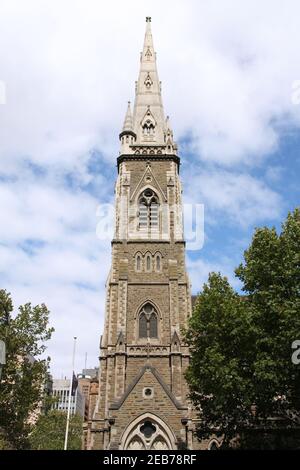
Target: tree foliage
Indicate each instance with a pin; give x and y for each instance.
(21, 387)
(241, 375)
(49, 432)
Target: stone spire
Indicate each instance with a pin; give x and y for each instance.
(147, 126)
(127, 136)
(148, 115)
(128, 122)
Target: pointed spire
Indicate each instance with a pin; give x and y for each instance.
(148, 115)
(169, 132)
(147, 126)
(127, 136)
(120, 339)
(148, 53)
(175, 342)
(120, 345)
(175, 339)
(128, 123)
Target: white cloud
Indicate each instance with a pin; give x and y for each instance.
(236, 197)
(274, 173)
(49, 253)
(69, 68)
(234, 80)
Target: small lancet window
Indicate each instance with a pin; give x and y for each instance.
(148, 82)
(148, 128)
(138, 263)
(148, 263)
(158, 263)
(148, 123)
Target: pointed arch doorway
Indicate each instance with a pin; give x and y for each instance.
(148, 432)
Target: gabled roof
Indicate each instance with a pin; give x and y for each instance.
(119, 403)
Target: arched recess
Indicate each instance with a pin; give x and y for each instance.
(135, 444)
(148, 124)
(145, 328)
(138, 261)
(148, 322)
(158, 262)
(148, 262)
(150, 301)
(213, 445)
(149, 432)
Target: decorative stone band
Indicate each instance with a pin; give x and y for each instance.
(139, 351)
(144, 350)
(127, 133)
(151, 157)
(151, 150)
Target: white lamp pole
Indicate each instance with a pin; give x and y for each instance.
(70, 394)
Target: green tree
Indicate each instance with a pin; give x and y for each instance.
(49, 432)
(271, 279)
(241, 373)
(21, 388)
(221, 336)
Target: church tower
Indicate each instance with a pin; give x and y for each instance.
(142, 391)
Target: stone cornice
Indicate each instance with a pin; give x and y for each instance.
(148, 157)
(143, 241)
(127, 132)
(150, 283)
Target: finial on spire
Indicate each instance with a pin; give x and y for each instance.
(148, 19)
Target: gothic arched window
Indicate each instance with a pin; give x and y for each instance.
(148, 433)
(148, 327)
(148, 122)
(148, 128)
(148, 209)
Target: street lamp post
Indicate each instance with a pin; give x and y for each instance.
(70, 393)
(2, 356)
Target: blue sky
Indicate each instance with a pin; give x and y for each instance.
(226, 237)
(230, 73)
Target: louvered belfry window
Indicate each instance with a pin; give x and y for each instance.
(148, 209)
(148, 327)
